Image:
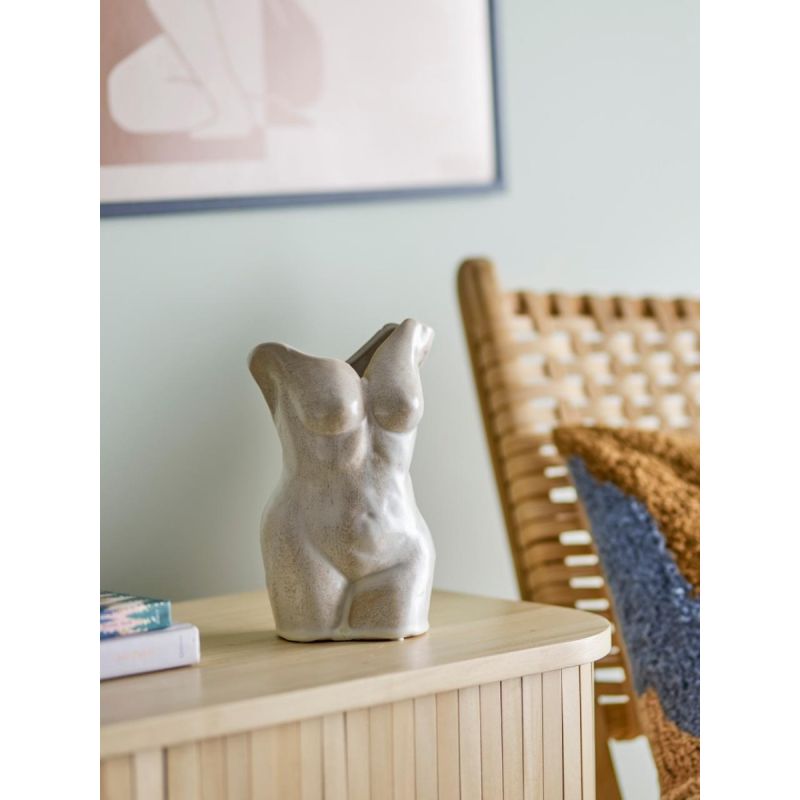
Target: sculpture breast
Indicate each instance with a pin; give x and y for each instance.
(347, 554)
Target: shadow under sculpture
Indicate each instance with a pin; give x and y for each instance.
(347, 554)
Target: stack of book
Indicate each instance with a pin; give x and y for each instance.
(137, 635)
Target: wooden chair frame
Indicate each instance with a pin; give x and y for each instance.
(543, 360)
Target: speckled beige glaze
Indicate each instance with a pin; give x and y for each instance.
(347, 554)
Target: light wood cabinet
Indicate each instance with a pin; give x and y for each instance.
(496, 701)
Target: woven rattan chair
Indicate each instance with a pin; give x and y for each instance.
(542, 360)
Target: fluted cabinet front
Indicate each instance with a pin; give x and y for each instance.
(526, 738)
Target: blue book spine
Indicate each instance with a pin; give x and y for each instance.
(125, 614)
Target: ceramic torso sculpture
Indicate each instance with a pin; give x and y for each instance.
(346, 552)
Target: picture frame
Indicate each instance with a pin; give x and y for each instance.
(333, 112)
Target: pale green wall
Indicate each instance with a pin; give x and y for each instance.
(601, 133)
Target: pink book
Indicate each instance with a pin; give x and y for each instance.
(175, 646)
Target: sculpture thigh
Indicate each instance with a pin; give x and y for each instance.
(305, 590)
(394, 602)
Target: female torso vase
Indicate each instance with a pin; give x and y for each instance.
(346, 552)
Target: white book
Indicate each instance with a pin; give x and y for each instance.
(175, 646)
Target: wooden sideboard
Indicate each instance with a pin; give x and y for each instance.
(495, 701)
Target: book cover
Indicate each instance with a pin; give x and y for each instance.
(125, 614)
(176, 646)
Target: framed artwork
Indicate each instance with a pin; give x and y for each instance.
(236, 103)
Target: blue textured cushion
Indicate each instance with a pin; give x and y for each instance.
(641, 492)
(659, 616)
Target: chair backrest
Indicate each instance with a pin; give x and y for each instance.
(543, 360)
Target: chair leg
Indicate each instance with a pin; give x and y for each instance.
(607, 786)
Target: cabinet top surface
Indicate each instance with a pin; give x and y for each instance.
(249, 677)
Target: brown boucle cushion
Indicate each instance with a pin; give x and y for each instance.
(641, 491)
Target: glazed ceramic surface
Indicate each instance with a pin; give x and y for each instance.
(347, 553)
